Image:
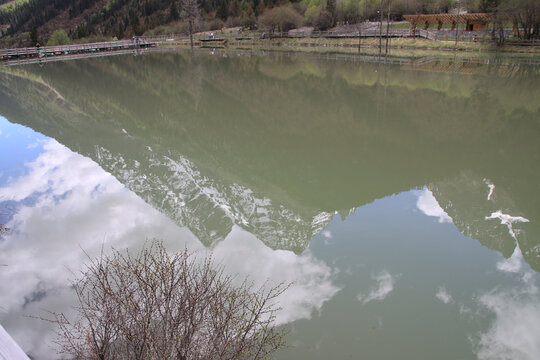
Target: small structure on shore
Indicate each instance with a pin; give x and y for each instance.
(9, 348)
(473, 22)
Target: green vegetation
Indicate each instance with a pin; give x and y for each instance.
(399, 47)
(11, 5)
(126, 18)
(34, 40)
(281, 18)
(59, 37)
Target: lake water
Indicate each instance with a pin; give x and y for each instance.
(402, 201)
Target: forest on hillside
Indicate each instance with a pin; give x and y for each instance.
(36, 20)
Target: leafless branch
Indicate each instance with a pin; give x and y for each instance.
(156, 305)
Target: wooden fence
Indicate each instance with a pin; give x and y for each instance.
(47, 51)
(35, 54)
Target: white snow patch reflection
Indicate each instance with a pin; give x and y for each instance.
(385, 285)
(427, 204)
(508, 220)
(491, 188)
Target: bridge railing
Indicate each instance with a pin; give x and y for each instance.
(18, 51)
(73, 48)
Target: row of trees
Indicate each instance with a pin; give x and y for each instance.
(323, 14)
(524, 15)
(123, 18)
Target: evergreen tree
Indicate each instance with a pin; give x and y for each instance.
(331, 6)
(223, 10)
(34, 36)
(174, 14)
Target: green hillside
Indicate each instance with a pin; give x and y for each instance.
(27, 22)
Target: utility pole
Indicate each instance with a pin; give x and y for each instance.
(359, 27)
(457, 23)
(387, 28)
(380, 27)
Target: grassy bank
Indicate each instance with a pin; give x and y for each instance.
(398, 47)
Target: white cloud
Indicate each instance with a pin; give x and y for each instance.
(76, 205)
(327, 234)
(385, 285)
(512, 264)
(427, 204)
(312, 280)
(514, 334)
(444, 296)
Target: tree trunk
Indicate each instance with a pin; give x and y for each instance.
(387, 29)
(380, 31)
(191, 33)
(359, 27)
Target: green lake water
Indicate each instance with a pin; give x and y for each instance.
(401, 200)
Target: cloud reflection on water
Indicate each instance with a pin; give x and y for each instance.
(444, 296)
(512, 264)
(312, 279)
(514, 333)
(384, 286)
(428, 204)
(66, 203)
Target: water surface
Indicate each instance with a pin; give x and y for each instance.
(400, 200)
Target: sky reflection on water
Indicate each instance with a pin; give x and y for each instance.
(65, 205)
(404, 218)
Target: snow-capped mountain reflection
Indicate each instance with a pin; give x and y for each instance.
(66, 206)
(207, 206)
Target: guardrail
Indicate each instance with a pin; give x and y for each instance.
(149, 41)
(217, 35)
(45, 51)
(43, 60)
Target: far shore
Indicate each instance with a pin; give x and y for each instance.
(397, 47)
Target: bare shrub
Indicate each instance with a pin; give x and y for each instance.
(155, 305)
(216, 24)
(323, 21)
(233, 21)
(248, 21)
(3, 230)
(282, 19)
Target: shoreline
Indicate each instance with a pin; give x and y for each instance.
(398, 47)
(410, 51)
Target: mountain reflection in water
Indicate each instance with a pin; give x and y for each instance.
(64, 194)
(257, 155)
